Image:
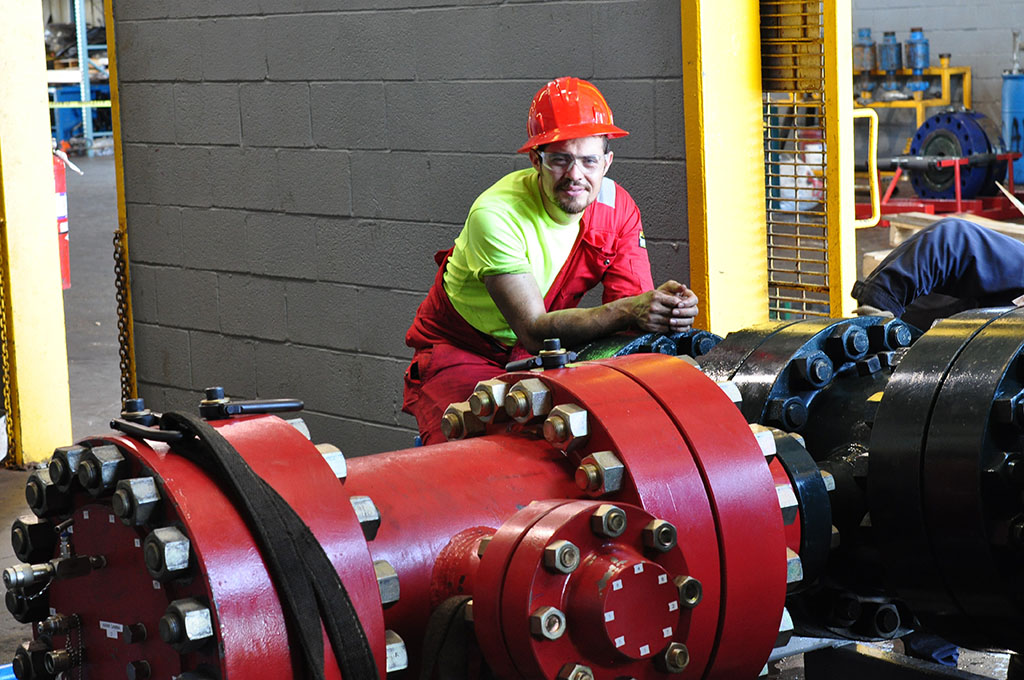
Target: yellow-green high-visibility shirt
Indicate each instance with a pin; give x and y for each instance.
(507, 232)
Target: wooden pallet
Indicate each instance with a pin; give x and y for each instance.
(904, 225)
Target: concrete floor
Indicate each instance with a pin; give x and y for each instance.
(90, 318)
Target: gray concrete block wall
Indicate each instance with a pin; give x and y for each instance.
(976, 34)
(291, 167)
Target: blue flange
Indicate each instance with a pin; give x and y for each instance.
(956, 134)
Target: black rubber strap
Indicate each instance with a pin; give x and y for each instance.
(450, 651)
(310, 590)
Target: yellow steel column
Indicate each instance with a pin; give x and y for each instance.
(839, 205)
(725, 161)
(36, 345)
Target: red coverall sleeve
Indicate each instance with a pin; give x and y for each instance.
(630, 269)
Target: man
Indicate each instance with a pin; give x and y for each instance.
(532, 245)
(951, 266)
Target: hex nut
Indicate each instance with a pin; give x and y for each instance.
(33, 539)
(575, 671)
(528, 399)
(395, 654)
(829, 479)
(548, 623)
(600, 473)
(890, 335)
(847, 342)
(42, 495)
(676, 658)
(814, 369)
(367, 514)
(691, 591)
(481, 548)
(135, 499)
(732, 390)
(608, 521)
(787, 502)
(387, 582)
(785, 629)
(100, 469)
(765, 437)
(794, 567)
(186, 624)
(458, 422)
(561, 556)
(166, 551)
(566, 426)
(64, 466)
(659, 535)
(300, 425)
(333, 456)
(789, 414)
(29, 659)
(488, 399)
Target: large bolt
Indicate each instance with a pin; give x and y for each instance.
(134, 633)
(889, 335)
(458, 422)
(794, 567)
(186, 624)
(847, 342)
(138, 670)
(575, 671)
(387, 582)
(395, 655)
(134, 500)
(528, 399)
(33, 539)
(64, 466)
(367, 514)
(333, 456)
(785, 629)
(789, 414)
(608, 521)
(676, 658)
(787, 502)
(846, 610)
(765, 437)
(691, 591)
(659, 535)
(561, 556)
(43, 496)
(600, 473)
(566, 426)
(814, 369)
(29, 660)
(100, 469)
(488, 399)
(548, 623)
(166, 552)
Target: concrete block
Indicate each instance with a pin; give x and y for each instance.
(207, 113)
(252, 307)
(213, 8)
(504, 42)
(349, 115)
(632, 103)
(147, 112)
(275, 114)
(183, 400)
(143, 293)
(314, 181)
(138, 172)
(659, 189)
(158, 50)
(225, 361)
(281, 245)
(187, 298)
(153, 395)
(154, 234)
(167, 175)
(233, 49)
(214, 239)
(133, 10)
(413, 186)
(380, 253)
(359, 438)
(305, 47)
(295, 6)
(669, 135)
(637, 38)
(353, 318)
(161, 355)
(378, 45)
(244, 178)
(669, 260)
(445, 116)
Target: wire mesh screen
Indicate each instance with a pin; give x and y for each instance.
(796, 186)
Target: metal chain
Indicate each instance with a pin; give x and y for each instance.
(5, 366)
(123, 321)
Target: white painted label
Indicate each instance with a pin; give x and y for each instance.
(62, 206)
(619, 641)
(645, 650)
(609, 616)
(85, 514)
(111, 518)
(662, 579)
(666, 632)
(638, 568)
(617, 584)
(156, 585)
(138, 543)
(673, 605)
(112, 628)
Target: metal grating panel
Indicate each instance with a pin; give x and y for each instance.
(796, 184)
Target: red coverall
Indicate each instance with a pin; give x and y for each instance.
(452, 357)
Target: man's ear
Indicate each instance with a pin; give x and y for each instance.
(535, 159)
(611, 157)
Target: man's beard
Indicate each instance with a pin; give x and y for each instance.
(568, 204)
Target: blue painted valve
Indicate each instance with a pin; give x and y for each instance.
(864, 59)
(918, 59)
(890, 58)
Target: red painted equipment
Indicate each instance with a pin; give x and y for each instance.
(61, 182)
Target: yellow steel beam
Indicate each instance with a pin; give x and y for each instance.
(35, 342)
(725, 161)
(839, 168)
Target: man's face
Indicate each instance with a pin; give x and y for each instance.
(576, 187)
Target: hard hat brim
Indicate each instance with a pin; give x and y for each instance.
(573, 132)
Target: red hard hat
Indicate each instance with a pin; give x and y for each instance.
(568, 108)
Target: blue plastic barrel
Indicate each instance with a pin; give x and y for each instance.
(1013, 120)
(6, 672)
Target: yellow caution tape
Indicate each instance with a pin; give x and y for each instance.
(94, 104)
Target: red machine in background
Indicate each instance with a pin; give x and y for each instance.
(60, 165)
(590, 520)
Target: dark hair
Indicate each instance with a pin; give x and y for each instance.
(543, 147)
